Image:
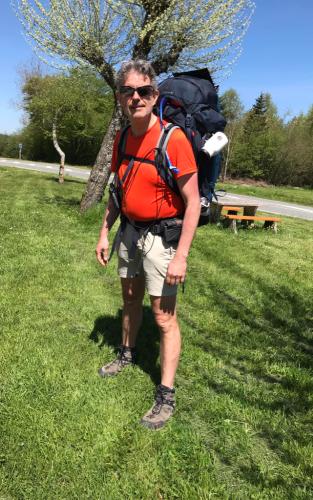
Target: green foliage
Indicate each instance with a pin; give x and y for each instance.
(258, 143)
(263, 147)
(9, 145)
(298, 150)
(231, 106)
(244, 386)
(81, 106)
(232, 109)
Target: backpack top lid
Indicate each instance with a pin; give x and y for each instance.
(203, 74)
(193, 94)
(191, 88)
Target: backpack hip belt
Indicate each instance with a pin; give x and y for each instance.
(169, 229)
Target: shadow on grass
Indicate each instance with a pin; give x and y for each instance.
(266, 360)
(284, 319)
(280, 336)
(61, 201)
(107, 331)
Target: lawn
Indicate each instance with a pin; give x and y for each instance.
(302, 196)
(243, 426)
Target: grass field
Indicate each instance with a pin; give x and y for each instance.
(302, 196)
(243, 426)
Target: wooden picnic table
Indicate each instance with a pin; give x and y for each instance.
(243, 213)
(216, 208)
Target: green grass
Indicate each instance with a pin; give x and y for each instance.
(303, 196)
(243, 426)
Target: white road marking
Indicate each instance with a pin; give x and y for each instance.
(298, 208)
(272, 202)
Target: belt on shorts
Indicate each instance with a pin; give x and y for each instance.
(169, 229)
(156, 227)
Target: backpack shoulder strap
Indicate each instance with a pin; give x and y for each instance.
(162, 162)
(165, 135)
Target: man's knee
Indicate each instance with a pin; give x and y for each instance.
(165, 321)
(164, 311)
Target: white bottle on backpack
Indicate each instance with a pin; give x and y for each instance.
(215, 144)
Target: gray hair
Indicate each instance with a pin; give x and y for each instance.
(140, 66)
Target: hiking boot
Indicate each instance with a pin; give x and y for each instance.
(125, 357)
(162, 409)
(205, 207)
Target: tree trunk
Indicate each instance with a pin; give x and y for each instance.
(59, 150)
(100, 172)
(225, 164)
(230, 135)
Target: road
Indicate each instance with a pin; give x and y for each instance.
(271, 206)
(45, 167)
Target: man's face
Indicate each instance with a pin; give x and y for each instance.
(137, 106)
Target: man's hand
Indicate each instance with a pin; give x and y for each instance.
(176, 271)
(102, 251)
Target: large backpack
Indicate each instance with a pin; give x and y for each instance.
(189, 101)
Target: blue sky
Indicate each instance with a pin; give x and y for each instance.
(277, 58)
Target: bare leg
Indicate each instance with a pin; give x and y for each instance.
(164, 310)
(133, 290)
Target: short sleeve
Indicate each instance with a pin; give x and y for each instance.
(181, 154)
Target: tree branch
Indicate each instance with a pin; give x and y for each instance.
(153, 11)
(164, 62)
(96, 60)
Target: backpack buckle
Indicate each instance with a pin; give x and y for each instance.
(188, 121)
(115, 195)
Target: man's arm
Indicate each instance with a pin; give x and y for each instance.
(188, 186)
(110, 216)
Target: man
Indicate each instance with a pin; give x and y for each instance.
(146, 258)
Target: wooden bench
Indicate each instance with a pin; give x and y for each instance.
(231, 210)
(216, 208)
(269, 222)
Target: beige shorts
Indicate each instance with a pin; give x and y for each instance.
(150, 259)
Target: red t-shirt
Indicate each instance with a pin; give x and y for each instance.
(145, 195)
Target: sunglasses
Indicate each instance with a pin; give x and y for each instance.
(144, 92)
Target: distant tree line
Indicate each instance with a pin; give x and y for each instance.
(74, 110)
(263, 147)
(9, 145)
